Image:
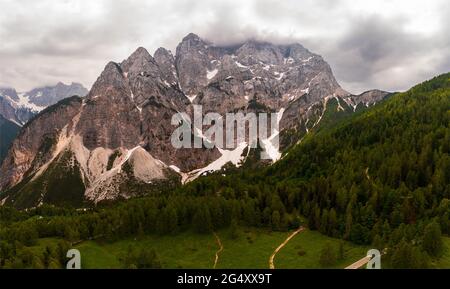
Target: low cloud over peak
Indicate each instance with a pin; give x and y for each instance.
(383, 44)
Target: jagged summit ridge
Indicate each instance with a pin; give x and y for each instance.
(128, 111)
(19, 107)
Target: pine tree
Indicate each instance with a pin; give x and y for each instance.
(37, 263)
(54, 264)
(341, 251)
(377, 242)
(317, 218)
(332, 222)
(71, 234)
(167, 222)
(172, 219)
(348, 222)
(324, 222)
(407, 256)
(276, 221)
(432, 239)
(202, 220)
(267, 216)
(140, 231)
(234, 229)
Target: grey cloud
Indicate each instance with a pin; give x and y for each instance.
(42, 43)
(381, 53)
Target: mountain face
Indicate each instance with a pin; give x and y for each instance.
(115, 142)
(8, 131)
(49, 95)
(223, 79)
(11, 110)
(21, 107)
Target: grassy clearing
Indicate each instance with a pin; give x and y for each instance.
(251, 249)
(185, 250)
(95, 256)
(254, 246)
(303, 251)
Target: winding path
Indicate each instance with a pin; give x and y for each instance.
(358, 264)
(272, 257)
(219, 242)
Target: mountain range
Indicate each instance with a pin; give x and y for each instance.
(114, 143)
(19, 107)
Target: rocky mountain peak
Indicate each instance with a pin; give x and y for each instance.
(166, 62)
(140, 51)
(110, 80)
(192, 43)
(191, 37)
(19, 107)
(253, 52)
(127, 114)
(368, 98)
(139, 62)
(191, 62)
(9, 92)
(163, 55)
(298, 52)
(49, 95)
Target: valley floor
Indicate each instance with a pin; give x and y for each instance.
(252, 249)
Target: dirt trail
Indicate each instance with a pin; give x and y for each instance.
(358, 264)
(219, 242)
(363, 261)
(272, 257)
(367, 173)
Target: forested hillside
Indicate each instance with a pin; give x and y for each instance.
(381, 178)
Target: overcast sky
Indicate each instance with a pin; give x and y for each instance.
(390, 45)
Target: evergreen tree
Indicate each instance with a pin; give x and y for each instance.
(348, 222)
(202, 219)
(324, 222)
(54, 264)
(332, 222)
(37, 263)
(234, 229)
(71, 234)
(341, 251)
(276, 221)
(407, 256)
(432, 239)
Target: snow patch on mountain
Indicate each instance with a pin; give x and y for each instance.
(234, 156)
(211, 73)
(279, 75)
(240, 65)
(15, 122)
(271, 150)
(175, 168)
(191, 97)
(24, 102)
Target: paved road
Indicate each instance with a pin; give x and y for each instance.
(272, 257)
